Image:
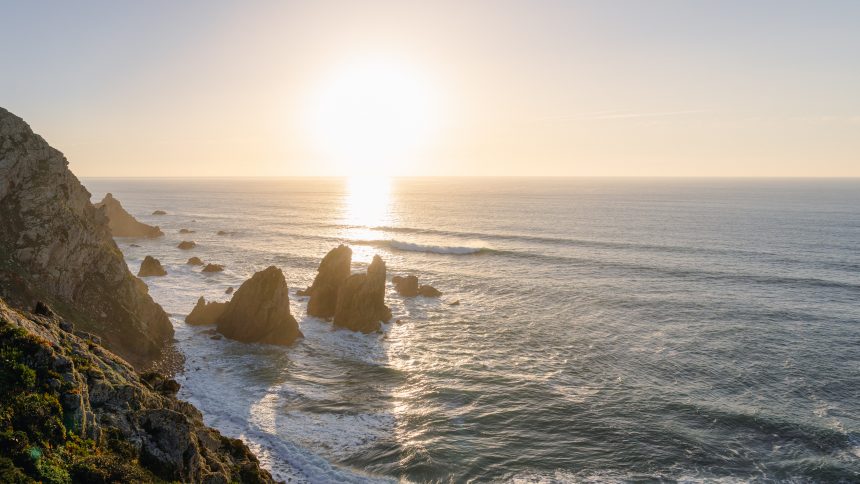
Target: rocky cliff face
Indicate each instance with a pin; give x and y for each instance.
(122, 223)
(56, 246)
(71, 411)
(361, 300)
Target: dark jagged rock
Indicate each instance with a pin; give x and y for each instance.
(408, 287)
(159, 212)
(151, 267)
(205, 313)
(361, 300)
(186, 245)
(122, 223)
(194, 261)
(98, 420)
(229, 290)
(213, 268)
(186, 231)
(57, 247)
(260, 311)
(333, 271)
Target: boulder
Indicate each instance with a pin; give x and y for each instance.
(213, 268)
(194, 261)
(229, 290)
(159, 212)
(187, 245)
(406, 286)
(427, 290)
(151, 267)
(361, 300)
(259, 311)
(205, 313)
(121, 223)
(58, 247)
(221, 232)
(333, 271)
(186, 231)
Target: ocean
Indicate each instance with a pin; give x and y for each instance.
(608, 330)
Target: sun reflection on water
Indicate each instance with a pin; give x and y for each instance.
(367, 204)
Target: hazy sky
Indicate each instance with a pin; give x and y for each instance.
(745, 88)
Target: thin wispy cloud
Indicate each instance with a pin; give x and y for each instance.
(599, 115)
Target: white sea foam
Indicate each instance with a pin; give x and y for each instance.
(428, 248)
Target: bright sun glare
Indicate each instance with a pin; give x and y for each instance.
(370, 117)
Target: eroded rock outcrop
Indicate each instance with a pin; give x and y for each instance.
(213, 268)
(92, 418)
(187, 245)
(151, 267)
(205, 312)
(361, 300)
(332, 273)
(407, 286)
(57, 247)
(259, 311)
(122, 223)
(194, 261)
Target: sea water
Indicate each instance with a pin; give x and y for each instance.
(607, 329)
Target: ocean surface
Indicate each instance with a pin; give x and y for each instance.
(608, 329)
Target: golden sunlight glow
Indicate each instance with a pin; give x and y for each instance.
(367, 204)
(371, 116)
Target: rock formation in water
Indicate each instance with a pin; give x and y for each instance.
(159, 212)
(221, 232)
(72, 411)
(186, 245)
(333, 271)
(408, 287)
(194, 261)
(57, 247)
(151, 267)
(229, 290)
(121, 223)
(205, 313)
(361, 300)
(186, 231)
(259, 311)
(213, 268)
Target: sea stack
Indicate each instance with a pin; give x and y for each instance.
(205, 313)
(333, 271)
(151, 267)
(260, 311)
(122, 223)
(59, 248)
(361, 300)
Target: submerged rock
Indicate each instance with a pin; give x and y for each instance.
(221, 232)
(333, 272)
(194, 261)
(56, 246)
(121, 223)
(96, 420)
(361, 300)
(187, 245)
(229, 290)
(205, 313)
(427, 290)
(213, 268)
(186, 231)
(159, 212)
(151, 267)
(260, 311)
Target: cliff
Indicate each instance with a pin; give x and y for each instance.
(57, 247)
(71, 411)
(122, 223)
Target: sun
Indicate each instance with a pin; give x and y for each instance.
(372, 117)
